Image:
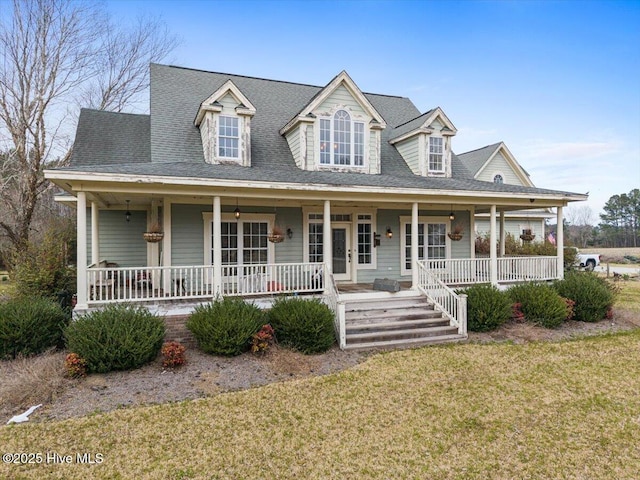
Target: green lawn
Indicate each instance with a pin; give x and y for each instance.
(567, 410)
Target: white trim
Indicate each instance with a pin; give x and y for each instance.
(348, 227)
(228, 87)
(354, 212)
(207, 218)
(511, 160)
(342, 78)
(332, 166)
(444, 155)
(406, 220)
(217, 156)
(380, 194)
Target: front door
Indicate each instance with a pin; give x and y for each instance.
(341, 237)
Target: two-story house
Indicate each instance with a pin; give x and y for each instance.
(257, 187)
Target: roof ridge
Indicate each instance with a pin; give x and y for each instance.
(115, 113)
(480, 148)
(270, 79)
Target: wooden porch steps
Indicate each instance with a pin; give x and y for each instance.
(396, 322)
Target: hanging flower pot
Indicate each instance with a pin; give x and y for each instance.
(456, 232)
(153, 237)
(155, 234)
(527, 236)
(276, 235)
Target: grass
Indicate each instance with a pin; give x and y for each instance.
(541, 410)
(629, 296)
(5, 283)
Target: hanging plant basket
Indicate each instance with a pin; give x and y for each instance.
(527, 237)
(455, 236)
(275, 238)
(153, 237)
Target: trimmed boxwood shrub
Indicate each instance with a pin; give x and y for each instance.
(594, 296)
(116, 337)
(29, 326)
(225, 327)
(305, 325)
(540, 304)
(487, 307)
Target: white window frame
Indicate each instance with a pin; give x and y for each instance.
(354, 232)
(443, 155)
(501, 176)
(229, 217)
(406, 220)
(237, 158)
(352, 141)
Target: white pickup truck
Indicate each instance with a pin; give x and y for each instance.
(588, 261)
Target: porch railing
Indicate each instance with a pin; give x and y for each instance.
(141, 284)
(452, 305)
(468, 271)
(332, 299)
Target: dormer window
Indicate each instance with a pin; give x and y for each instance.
(228, 137)
(498, 178)
(436, 154)
(341, 141)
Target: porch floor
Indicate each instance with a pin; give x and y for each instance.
(366, 287)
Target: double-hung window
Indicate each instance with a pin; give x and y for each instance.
(228, 137)
(436, 154)
(341, 141)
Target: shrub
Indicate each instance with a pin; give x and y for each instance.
(487, 308)
(173, 353)
(42, 268)
(29, 326)
(75, 366)
(262, 341)
(225, 327)
(117, 337)
(540, 304)
(593, 295)
(302, 324)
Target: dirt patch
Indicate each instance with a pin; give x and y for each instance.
(205, 375)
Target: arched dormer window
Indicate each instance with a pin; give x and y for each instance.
(498, 178)
(341, 141)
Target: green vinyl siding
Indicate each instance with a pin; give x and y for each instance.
(293, 139)
(499, 164)
(311, 157)
(121, 242)
(290, 250)
(229, 103)
(409, 150)
(187, 234)
(341, 96)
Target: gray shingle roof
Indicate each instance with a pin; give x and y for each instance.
(168, 143)
(107, 138)
(410, 125)
(475, 159)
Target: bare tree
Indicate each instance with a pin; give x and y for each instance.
(55, 54)
(581, 219)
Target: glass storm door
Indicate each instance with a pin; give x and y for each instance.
(341, 238)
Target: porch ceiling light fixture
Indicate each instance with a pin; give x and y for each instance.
(389, 232)
(127, 214)
(236, 212)
(452, 216)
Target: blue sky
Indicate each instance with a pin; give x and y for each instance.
(558, 82)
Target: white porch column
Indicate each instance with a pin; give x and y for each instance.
(217, 247)
(95, 234)
(166, 244)
(493, 248)
(503, 234)
(327, 242)
(415, 275)
(560, 242)
(81, 294)
(472, 232)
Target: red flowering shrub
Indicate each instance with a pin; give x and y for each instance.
(173, 353)
(262, 341)
(516, 312)
(75, 366)
(570, 304)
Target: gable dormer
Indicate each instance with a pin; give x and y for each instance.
(425, 143)
(224, 120)
(338, 130)
(502, 167)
